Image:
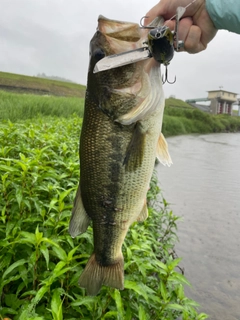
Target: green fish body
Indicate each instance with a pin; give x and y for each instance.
(120, 139)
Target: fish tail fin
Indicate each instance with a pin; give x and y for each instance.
(79, 220)
(94, 276)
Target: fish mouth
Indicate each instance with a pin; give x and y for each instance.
(120, 30)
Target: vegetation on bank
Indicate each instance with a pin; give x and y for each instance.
(179, 117)
(177, 121)
(17, 106)
(25, 84)
(40, 263)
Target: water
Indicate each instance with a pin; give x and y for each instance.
(203, 186)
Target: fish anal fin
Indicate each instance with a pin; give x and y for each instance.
(95, 275)
(144, 212)
(135, 149)
(162, 151)
(79, 220)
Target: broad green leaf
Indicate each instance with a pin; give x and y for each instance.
(28, 237)
(71, 253)
(19, 196)
(45, 252)
(136, 287)
(40, 294)
(60, 253)
(4, 260)
(174, 306)
(56, 304)
(89, 302)
(163, 291)
(7, 311)
(111, 315)
(173, 264)
(39, 236)
(64, 194)
(162, 266)
(180, 292)
(119, 304)
(50, 242)
(13, 266)
(12, 301)
(179, 278)
(142, 314)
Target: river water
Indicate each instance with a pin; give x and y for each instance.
(203, 187)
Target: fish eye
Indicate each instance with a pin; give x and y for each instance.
(98, 54)
(158, 35)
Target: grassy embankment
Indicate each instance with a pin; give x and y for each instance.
(24, 84)
(68, 98)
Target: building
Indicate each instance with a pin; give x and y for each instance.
(221, 101)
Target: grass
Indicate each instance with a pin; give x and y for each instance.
(26, 84)
(16, 107)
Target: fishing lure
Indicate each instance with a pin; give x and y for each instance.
(161, 46)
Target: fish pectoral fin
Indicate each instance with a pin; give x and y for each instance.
(79, 220)
(162, 151)
(135, 149)
(94, 276)
(144, 212)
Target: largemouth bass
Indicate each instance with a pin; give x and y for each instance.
(120, 139)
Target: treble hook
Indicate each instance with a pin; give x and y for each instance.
(143, 26)
(166, 78)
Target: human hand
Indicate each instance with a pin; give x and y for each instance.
(196, 28)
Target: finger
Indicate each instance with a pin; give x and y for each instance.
(193, 42)
(184, 27)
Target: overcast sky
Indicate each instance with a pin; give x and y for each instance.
(52, 36)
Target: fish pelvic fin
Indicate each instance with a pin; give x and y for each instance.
(144, 213)
(162, 151)
(79, 220)
(95, 275)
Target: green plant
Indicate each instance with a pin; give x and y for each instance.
(40, 263)
(182, 120)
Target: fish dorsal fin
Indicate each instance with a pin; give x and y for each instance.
(79, 220)
(162, 151)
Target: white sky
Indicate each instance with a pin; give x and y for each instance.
(52, 36)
